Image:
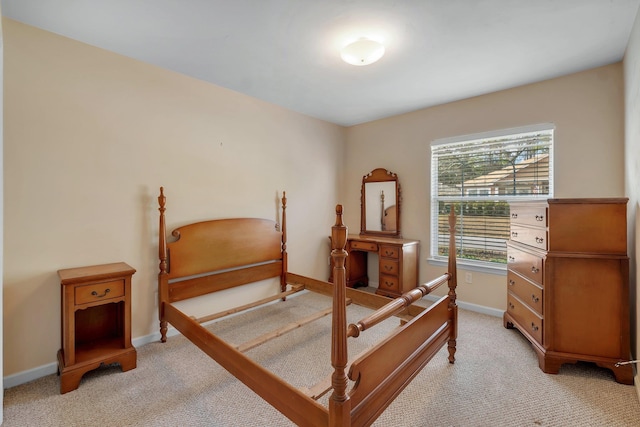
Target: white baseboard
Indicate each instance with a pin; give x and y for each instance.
(472, 307)
(29, 375)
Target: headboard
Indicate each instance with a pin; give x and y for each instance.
(213, 255)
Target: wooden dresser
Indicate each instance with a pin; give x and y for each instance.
(568, 282)
(397, 263)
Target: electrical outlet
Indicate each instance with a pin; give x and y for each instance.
(468, 278)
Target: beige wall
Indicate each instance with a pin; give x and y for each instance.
(90, 136)
(632, 173)
(586, 108)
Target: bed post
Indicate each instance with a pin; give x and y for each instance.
(162, 276)
(453, 283)
(285, 258)
(339, 404)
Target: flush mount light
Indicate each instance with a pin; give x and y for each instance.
(362, 52)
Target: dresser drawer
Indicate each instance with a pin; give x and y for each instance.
(536, 237)
(526, 291)
(389, 266)
(99, 292)
(364, 246)
(389, 283)
(526, 319)
(529, 214)
(390, 251)
(526, 264)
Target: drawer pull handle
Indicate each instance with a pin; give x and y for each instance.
(535, 298)
(512, 282)
(387, 284)
(388, 253)
(535, 270)
(388, 267)
(514, 234)
(511, 306)
(514, 215)
(539, 240)
(534, 328)
(539, 217)
(95, 294)
(511, 259)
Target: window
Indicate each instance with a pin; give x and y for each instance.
(480, 175)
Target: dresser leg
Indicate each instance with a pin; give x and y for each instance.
(550, 365)
(623, 374)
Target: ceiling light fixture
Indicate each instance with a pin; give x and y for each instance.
(362, 52)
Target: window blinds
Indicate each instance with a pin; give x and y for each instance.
(479, 176)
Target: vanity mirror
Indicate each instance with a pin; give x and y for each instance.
(380, 203)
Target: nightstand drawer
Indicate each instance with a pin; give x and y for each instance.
(530, 322)
(99, 292)
(526, 291)
(390, 251)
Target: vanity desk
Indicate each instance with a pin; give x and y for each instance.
(380, 234)
(397, 263)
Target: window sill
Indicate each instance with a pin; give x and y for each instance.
(468, 265)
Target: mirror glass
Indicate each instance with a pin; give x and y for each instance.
(380, 203)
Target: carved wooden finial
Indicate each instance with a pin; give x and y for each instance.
(338, 231)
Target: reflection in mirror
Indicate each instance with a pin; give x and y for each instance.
(380, 203)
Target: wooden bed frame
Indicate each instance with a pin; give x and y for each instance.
(213, 255)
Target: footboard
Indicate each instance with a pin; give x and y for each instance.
(385, 370)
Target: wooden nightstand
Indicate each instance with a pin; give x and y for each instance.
(96, 321)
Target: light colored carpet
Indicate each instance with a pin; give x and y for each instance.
(494, 382)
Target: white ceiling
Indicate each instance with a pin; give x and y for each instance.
(287, 51)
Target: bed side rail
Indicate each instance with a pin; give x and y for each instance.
(396, 306)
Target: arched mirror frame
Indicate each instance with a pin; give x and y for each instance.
(381, 193)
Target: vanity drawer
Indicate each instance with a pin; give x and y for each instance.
(390, 251)
(529, 214)
(389, 283)
(389, 266)
(526, 264)
(363, 246)
(99, 292)
(526, 291)
(526, 319)
(536, 237)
